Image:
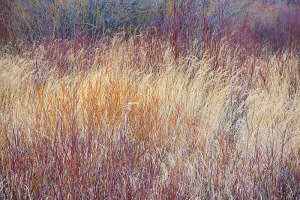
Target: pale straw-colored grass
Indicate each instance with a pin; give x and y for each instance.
(216, 130)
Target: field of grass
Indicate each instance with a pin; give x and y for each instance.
(149, 99)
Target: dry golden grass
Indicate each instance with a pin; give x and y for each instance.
(216, 133)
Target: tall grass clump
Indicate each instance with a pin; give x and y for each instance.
(149, 100)
(112, 125)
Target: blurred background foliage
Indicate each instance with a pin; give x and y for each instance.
(179, 21)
